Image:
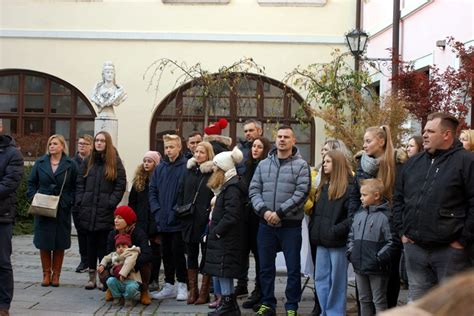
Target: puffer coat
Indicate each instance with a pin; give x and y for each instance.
(195, 179)
(97, 197)
(11, 170)
(224, 255)
(53, 233)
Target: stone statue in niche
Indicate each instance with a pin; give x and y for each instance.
(107, 93)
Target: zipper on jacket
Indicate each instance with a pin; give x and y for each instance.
(276, 184)
(418, 203)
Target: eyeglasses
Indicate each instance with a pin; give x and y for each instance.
(83, 144)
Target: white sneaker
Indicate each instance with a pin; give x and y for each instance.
(168, 291)
(182, 292)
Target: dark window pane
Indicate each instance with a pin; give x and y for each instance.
(273, 107)
(272, 91)
(305, 151)
(8, 103)
(9, 84)
(9, 126)
(192, 106)
(193, 91)
(170, 108)
(60, 104)
(34, 84)
(33, 126)
(218, 107)
(32, 145)
(163, 126)
(82, 108)
(269, 131)
(57, 88)
(34, 103)
(246, 107)
(84, 127)
(302, 133)
(247, 88)
(295, 106)
(189, 127)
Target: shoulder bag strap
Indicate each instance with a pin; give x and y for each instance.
(62, 187)
(197, 191)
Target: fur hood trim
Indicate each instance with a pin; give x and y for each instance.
(205, 167)
(219, 138)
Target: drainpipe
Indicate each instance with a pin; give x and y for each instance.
(395, 43)
(358, 27)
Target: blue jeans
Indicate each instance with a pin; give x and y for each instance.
(427, 267)
(330, 279)
(223, 286)
(129, 289)
(6, 271)
(270, 241)
(216, 285)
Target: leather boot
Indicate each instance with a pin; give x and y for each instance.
(145, 272)
(58, 256)
(204, 293)
(228, 307)
(46, 264)
(108, 296)
(192, 286)
(92, 279)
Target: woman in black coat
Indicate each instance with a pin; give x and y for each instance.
(193, 188)
(53, 235)
(224, 254)
(100, 186)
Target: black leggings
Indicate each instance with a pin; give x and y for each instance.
(192, 250)
(96, 247)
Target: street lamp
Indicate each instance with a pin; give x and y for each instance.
(357, 41)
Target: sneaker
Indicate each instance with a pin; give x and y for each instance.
(291, 312)
(82, 267)
(168, 291)
(182, 292)
(265, 310)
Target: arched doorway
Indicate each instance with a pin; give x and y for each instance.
(35, 105)
(185, 110)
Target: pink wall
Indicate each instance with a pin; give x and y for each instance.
(420, 30)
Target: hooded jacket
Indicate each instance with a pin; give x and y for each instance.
(373, 242)
(281, 186)
(11, 170)
(163, 195)
(434, 197)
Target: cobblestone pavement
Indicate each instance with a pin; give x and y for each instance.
(70, 298)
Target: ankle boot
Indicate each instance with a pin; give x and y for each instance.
(204, 293)
(192, 286)
(228, 307)
(58, 256)
(92, 279)
(45, 256)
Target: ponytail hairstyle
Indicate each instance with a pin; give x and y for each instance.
(338, 179)
(109, 156)
(386, 171)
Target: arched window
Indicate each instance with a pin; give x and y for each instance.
(35, 105)
(185, 110)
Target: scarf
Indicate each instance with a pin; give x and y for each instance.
(369, 165)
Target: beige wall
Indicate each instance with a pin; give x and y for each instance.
(47, 36)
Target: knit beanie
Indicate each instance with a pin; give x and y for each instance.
(216, 128)
(127, 213)
(153, 155)
(123, 239)
(228, 159)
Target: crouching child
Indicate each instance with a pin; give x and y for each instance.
(124, 281)
(371, 245)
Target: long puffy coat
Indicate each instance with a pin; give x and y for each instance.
(195, 225)
(97, 197)
(11, 170)
(224, 255)
(53, 233)
(138, 201)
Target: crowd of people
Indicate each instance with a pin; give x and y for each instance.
(394, 214)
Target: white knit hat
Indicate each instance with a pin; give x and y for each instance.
(228, 159)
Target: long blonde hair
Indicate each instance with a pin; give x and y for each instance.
(386, 171)
(470, 137)
(338, 179)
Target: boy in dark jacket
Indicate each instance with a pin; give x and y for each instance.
(371, 245)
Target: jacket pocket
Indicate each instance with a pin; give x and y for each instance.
(450, 223)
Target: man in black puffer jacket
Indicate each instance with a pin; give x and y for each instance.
(11, 170)
(434, 206)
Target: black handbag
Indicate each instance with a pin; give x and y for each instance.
(188, 209)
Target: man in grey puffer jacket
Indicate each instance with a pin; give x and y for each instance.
(278, 191)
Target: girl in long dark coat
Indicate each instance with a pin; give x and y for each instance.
(138, 201)
(53, 235)
(194, 185)
(100, 186)
(224, 254)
